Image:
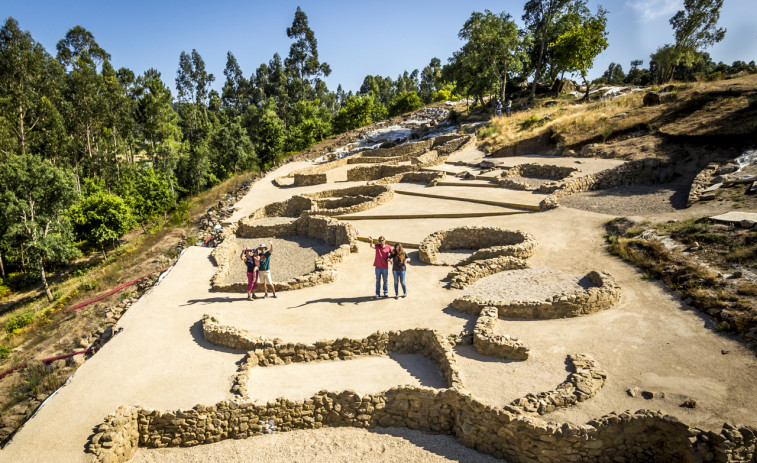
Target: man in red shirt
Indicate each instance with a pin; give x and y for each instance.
(381, 262)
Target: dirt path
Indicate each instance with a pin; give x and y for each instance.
(160, 359)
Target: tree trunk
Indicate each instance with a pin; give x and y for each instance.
(44, 281)
(586, 81)
(2, 267)
(538, 67)
(21, 132)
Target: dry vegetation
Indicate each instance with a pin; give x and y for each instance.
(702, 273)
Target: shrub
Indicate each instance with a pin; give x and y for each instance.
(529, 122)
(5, 352)
(88, 285)
(16, 322)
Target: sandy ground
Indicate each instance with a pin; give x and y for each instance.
(292, 256)
(365, 375)
(160, 359)
(328, 445)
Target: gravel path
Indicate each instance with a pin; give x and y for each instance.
(327, 445)
(530, 283)
(633, 200)
(292, 256)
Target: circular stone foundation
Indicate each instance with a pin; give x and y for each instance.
(446, 247)
(527, 284)
(292, 257)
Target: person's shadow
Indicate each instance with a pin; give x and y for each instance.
(337, 300)
(211, 300)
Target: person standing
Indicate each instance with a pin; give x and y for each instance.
(399, 265)
(509, 107)
(265, 268)
(381, 264)
(251, 260)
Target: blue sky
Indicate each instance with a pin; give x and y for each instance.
(355, 38)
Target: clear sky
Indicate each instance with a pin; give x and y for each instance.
(382, 37)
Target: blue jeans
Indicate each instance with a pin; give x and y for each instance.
(382, 273)
(399, 277)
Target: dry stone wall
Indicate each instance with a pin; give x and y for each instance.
(629, 173)
(365, 173)
(462, 276)
(584, 383)
(490, 242)
(329, 230)
(264, 352)
(702, 181)
(643, 436)
(487, 343)
(600, 297)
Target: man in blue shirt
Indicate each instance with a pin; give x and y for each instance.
(265, 268)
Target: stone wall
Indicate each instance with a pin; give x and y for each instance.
(489, 242)
(600, 297)
(629, 173)
(584, 383)
(486, 342)
(463, 275)
(446, 145)
(531, 170)
(643, 436)
(702, 181)
(327, 203)
(314, 175)
(264, 352)
(409, 149)
(374, 160)
(364, 173)
(329, 230)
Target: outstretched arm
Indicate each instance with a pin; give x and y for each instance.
(370, 241)
(270, 247)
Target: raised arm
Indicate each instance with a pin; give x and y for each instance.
(270, 246)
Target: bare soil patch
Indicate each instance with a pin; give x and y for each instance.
(530, 283)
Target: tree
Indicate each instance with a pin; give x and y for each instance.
(157, 122)
(29, 84)
(491, 52)
(431, 80)
(614, 74)
(146, 192)
(235, 90)
(302, 63)
(695, 28)
(407, 102)
(101, 218)
(539, 17)
(587, 38)
(358, 112)
(233, 150)
(34, 198)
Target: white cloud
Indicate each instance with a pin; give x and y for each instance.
(653, 9)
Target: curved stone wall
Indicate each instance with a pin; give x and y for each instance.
(643, 436)
(584, 383)
(463, 275)
(487, 343)
(490, 242)
(265, 352)
(329, 230)
(603, 296)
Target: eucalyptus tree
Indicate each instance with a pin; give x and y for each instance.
(30, 82)
(303, 64)
(695, 28)
(235, 93)
(430, 80)
(157, 123)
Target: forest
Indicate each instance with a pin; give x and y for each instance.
(89, 152)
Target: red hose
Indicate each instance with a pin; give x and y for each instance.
(206, 241)
(109, 293)
(47, 360)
